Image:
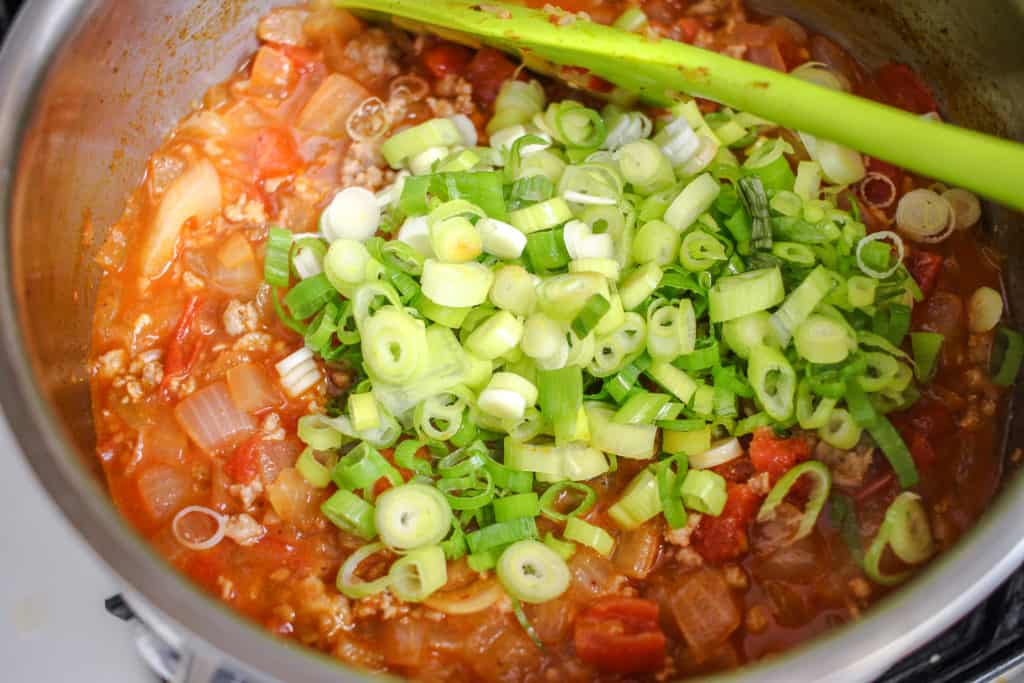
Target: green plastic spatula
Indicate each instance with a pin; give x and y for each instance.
(659, 70)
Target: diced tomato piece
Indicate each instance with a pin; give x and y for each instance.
(903, 88)
(924, 267)
(621, 635)
(180, 359)
(688, 28)
(447, 58)
(921, 450)
(724, 538)
(275, 153)
(737, 470)
(244, 465)
(488, 69)
(776, 456)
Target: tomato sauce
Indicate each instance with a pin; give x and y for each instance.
(188, 313)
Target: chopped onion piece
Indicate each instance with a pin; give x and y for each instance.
(984, 310)
(409, 86)
(216, 537)
(466, 129)
(719, 453)
(212, 419)
(924, 216)
(352, 214)
(474, 598)
(882, 235)
(369, 121)
(966, 208)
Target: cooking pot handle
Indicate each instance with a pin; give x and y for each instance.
(200, 668)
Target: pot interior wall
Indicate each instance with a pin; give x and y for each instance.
(134, 67)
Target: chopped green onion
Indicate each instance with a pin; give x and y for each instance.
(541, 216)
(456, 284)
(501, 534)
(687, 441)
(564, 549)
(532, 572)
(361, 467)
(800, 302)
(700, 251)
(406, 457)
(823, 340)
(624, 440)
(695, 199)
(822, 484)
(350, 513)
(413, 141)
(704, 491)
(556, 491)
(516, 506)
(755, 201)
(671, 475)
(560, 393)
(739, 295)
(773, 380)
(546, 250)
(839, 429)
(588, 318)
(905, 529)
(641, 408)
(640, 501)
(276, 270)
(362, 410)
(926, 347)
(416, 575)
(589, 535)
(312, 470)
(1007, 355)
(412, 516)
(350, 585)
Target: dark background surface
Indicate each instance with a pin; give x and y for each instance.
(978, 649)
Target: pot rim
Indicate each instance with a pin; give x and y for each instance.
(945, 591)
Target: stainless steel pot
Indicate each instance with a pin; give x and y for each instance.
(89, 89)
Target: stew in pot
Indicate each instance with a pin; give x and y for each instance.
(461, 373)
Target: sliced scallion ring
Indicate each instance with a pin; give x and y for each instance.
(822, 478)
(532, 572)
(352, 586)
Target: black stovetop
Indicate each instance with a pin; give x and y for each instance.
(978, 649)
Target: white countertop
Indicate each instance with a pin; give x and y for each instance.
(53, 627)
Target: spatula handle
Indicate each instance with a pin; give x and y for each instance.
(659, 69)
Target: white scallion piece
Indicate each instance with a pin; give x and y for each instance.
(596, 246)
(588, 199)
(719, 453)
(353, 214)
(307, 264)
(466, 129)
(501, 239)
(966, 207)
(299, 372)
(415, 232)
(924, 216)
(423, 163)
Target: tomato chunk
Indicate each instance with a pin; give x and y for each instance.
(776, 456)
(621, 635)
(724, 538)
(275, 153)
(903, 88)
(244, 465)
(447, 58)
(488, 69)
(924, 267)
